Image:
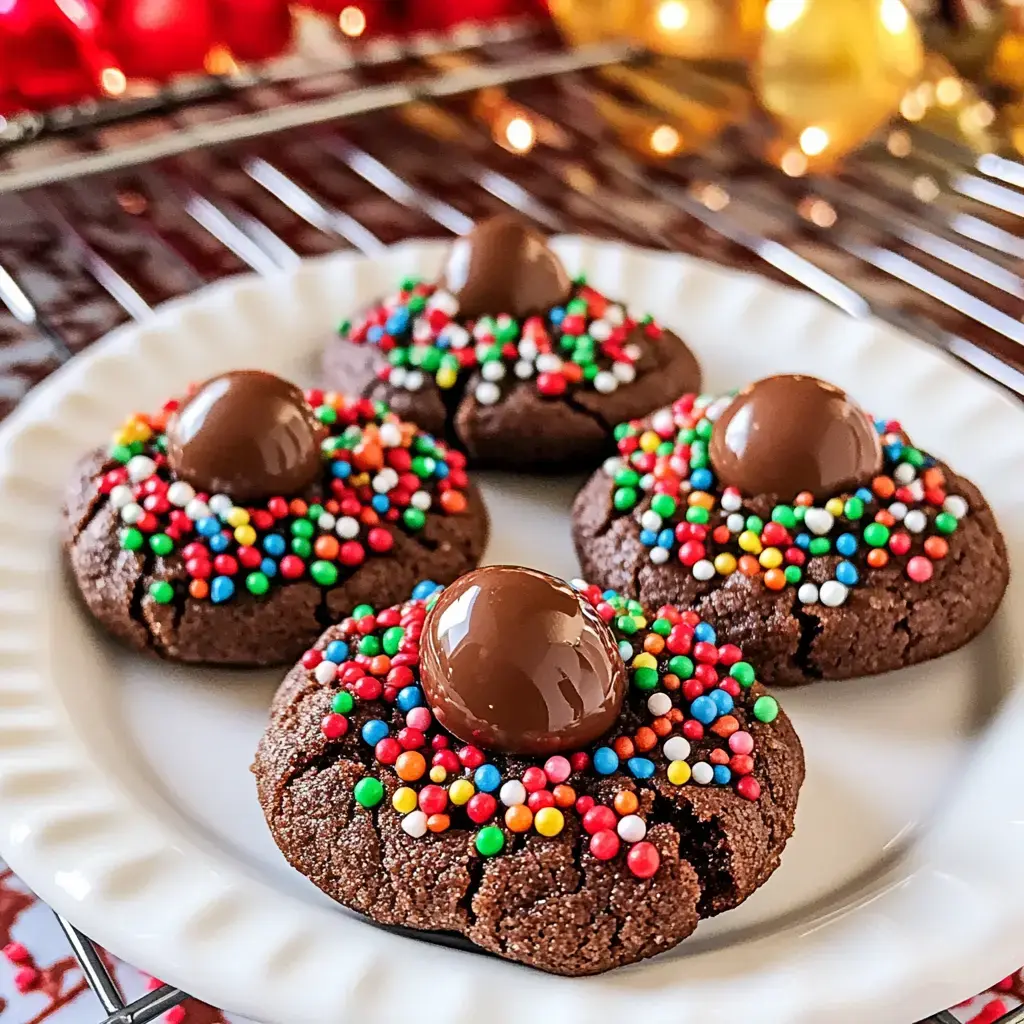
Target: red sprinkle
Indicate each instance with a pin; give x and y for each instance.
(643, 859)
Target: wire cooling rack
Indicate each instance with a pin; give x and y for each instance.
(108, 212)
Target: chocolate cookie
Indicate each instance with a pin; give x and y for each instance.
(827, 544)
(233, 528)
(602, 781)
(508, 357)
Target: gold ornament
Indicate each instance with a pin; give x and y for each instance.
(832, 71)
(965, 32)
(1007, 66)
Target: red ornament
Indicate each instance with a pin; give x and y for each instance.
(252, 29)
(159, 38)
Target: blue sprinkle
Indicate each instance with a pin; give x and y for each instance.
(722, 700)
(337, 651)
(374, 334)
(625, 650)
(722, 774)
(705, 633)
(894, 451)
(803, 540)
(342, 470)
(609, 594)
(648, 538)
(397, 322)
(374, 731)
(666, 539)
(701, 479)
(846, 544)
(487, 778)
(556, 316)
(442, 341)
(865, 495)
(704, 709)
(410, 697)
(380, 502)
(847, 574)
(268, 567)
(208, 527)
(221, 589)
(880, 426)
(640, 767)
(606, 761)
(274, 545)
(441, 470)
(423, 590)
(219, 543)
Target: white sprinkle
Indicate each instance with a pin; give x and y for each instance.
(631, 828)
(528, 349)
(703, 570)
(916, 490)
(632, 351)
(221, 505)
(415, 824)
(915, 520)
(955, 506)
(385, 480)
(898, 510)
(414, 380)
(650, 520)
(325, 672)
(647, 482)
(624, 372)
(625, 650)
(808, 593)
(736, 523)
(731, 500)
(662, 423)
(905, 472)
(197, 510)
(347, 527)
(676, 748)
(512, 793)
(123, 495)
(819, 520)
(487, 392)
(420, 500)
(605, 382)
(833, 593)
(444, 301)
(659, 704)
(326, 521)
(131, 513)
(524, 369)
(600, 330)
(615, 315)
(390, 436)
(659, 556)
(494, 370)
(483, 328)
(548, 362)
(716, 408)
(458, 336)
(612, 464)
(140, 467)
(396, 378)
(421, 330)
(702, 773)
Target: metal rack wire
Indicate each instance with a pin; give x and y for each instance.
(417, 142)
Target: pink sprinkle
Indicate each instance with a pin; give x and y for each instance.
(16, 953)
(419, 718)
(920, 569)
(557, 768)
(741, 742)
(26, 979)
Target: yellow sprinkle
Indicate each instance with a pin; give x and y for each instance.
(123, 437)
(750, 542)
(404, 800)
(725, 564)
(246, 536)
(641, 621)
(771, 558)
(460, 791)
(701, 499)
(649, 442)
(446, 377)
(438, 774)
(835, 506)
(359, 479)
(645, 660)
(237, 517)
(678, 773)
(549, 821)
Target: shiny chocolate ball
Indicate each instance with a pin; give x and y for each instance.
(514, 660)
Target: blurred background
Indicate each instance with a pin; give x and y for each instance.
(869, 150)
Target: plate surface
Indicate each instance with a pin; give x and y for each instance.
(125, 796)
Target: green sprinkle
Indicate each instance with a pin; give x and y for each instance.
(590, 371)
(799, 512)
(580, 280)
(417, 304)
(399, 356)
(121, 453)
(703, 429)
(315, 512)
(423, 466)
(755, 524)
(766, 709)
(301, 547)
(302, 528)
(820, 546)
(345, 326)
(324, 573)
(431, 359)
(161, 544)
(368, 792)
(854, 508)
(131, 539)
(370, 646)
(342, 702)
(645, 678)
(489, 841)
(914, 456)
(634, 607)
(414, 518)
(393, 638)
(507, 331)
(696, 514)
(876, 535)
(576, 306)
(793, 574)
(945, 523)
(409, 283)
(327, 414)
(687, 436)
(664, 505)
(625, 498)
(161, 592)
(698, 459)
(626, 624)
(662, 627)
(257, 583)
(621, 431)
(627, 477)
(362, 610)
(743, 673)
(784, 516)
(680, 665)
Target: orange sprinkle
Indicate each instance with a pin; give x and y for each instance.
(333, 399)
(654, 644)
(327, 548)
(725, 726)
(410, 765)
(332, 506)
(883, 486)
(453, 502)
(623, 746)
(804, 498)
(572, 372)
(565, 796)
(721, 534)
(438, 822)
(775, 579)
(368, 455)
(661, 726)
(626, 802)
(645, 738)
(934, 477)
(700, 499)
(675, 716)
(298, 507)
(519, 818)
(877, 557)
(199, 589)
(749, 565)
(885, 518)
(368, 517)
(380, 665)
(670, 681)
(936, 547)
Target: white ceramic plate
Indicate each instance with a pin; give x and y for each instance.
(125, 797)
